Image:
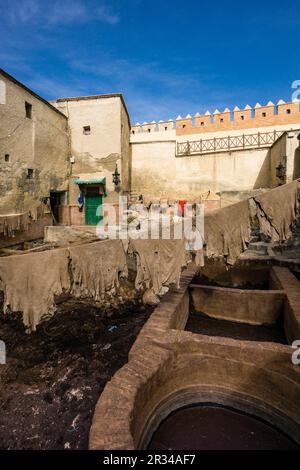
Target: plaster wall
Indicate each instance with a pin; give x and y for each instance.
(39, 143)
(106, 145)
(157, 172)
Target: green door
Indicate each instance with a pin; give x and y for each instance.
(93, 209)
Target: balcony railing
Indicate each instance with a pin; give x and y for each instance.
(219, 144)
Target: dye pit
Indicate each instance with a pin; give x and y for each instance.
(202, 324)
(209, 427)
(54, 376)
(217, 274)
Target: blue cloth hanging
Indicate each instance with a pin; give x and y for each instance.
(80, 200)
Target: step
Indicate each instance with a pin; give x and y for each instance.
(260, 247)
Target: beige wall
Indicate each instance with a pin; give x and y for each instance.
(107, 144)
(154, 169)
(285, 150)
(157, 172)
(126, 166)
(40, 143)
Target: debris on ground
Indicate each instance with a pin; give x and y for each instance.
(54, 377)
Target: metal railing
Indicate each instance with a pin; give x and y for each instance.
(219, 144)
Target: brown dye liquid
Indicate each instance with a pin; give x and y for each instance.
(217, 428)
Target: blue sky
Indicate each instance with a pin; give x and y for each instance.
(167, 57)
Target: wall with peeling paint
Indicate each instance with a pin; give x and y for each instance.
(158, 173)
(107, 143)
(40, 143)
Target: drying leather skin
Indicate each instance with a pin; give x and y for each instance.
(227, 231)
(32, 281)
(97, 267)
(277, 209)
(11, 223)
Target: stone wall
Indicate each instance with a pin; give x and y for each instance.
(38, 145)
(255, 307)
(282, 278)
(169, 368)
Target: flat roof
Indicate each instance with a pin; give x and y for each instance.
(96, 97)
(16, 82)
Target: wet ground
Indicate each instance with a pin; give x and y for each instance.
(217, 428)
(54, 377)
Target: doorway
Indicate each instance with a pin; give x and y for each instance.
(57, 199)
(93, 205)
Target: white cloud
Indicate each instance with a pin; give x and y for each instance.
(40, 12)
(104, 14)
(50, 88)
(151, 90)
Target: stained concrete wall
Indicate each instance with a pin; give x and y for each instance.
(255, 307)
(40, 144)
(154, 169)
(105, 146)
(126, 166)
(285, 150)
(158, 172)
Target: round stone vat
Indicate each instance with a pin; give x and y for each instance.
(215, 419)
(183, 369)
(212, 427)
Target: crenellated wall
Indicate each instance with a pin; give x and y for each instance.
(225, 154)
(246, 118)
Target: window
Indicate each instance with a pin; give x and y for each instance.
(264, 114)
(202, 123)
(28, 110)
(133, 132)
(30, 174)
(242, 117)
(288, 111)
(183, 126)
(221, 120)
(86, 130)
(149, 130)
(166, 128)
(7, 157)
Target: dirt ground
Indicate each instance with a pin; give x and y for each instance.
(54, 377)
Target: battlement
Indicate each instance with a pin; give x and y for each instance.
(259, 116)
